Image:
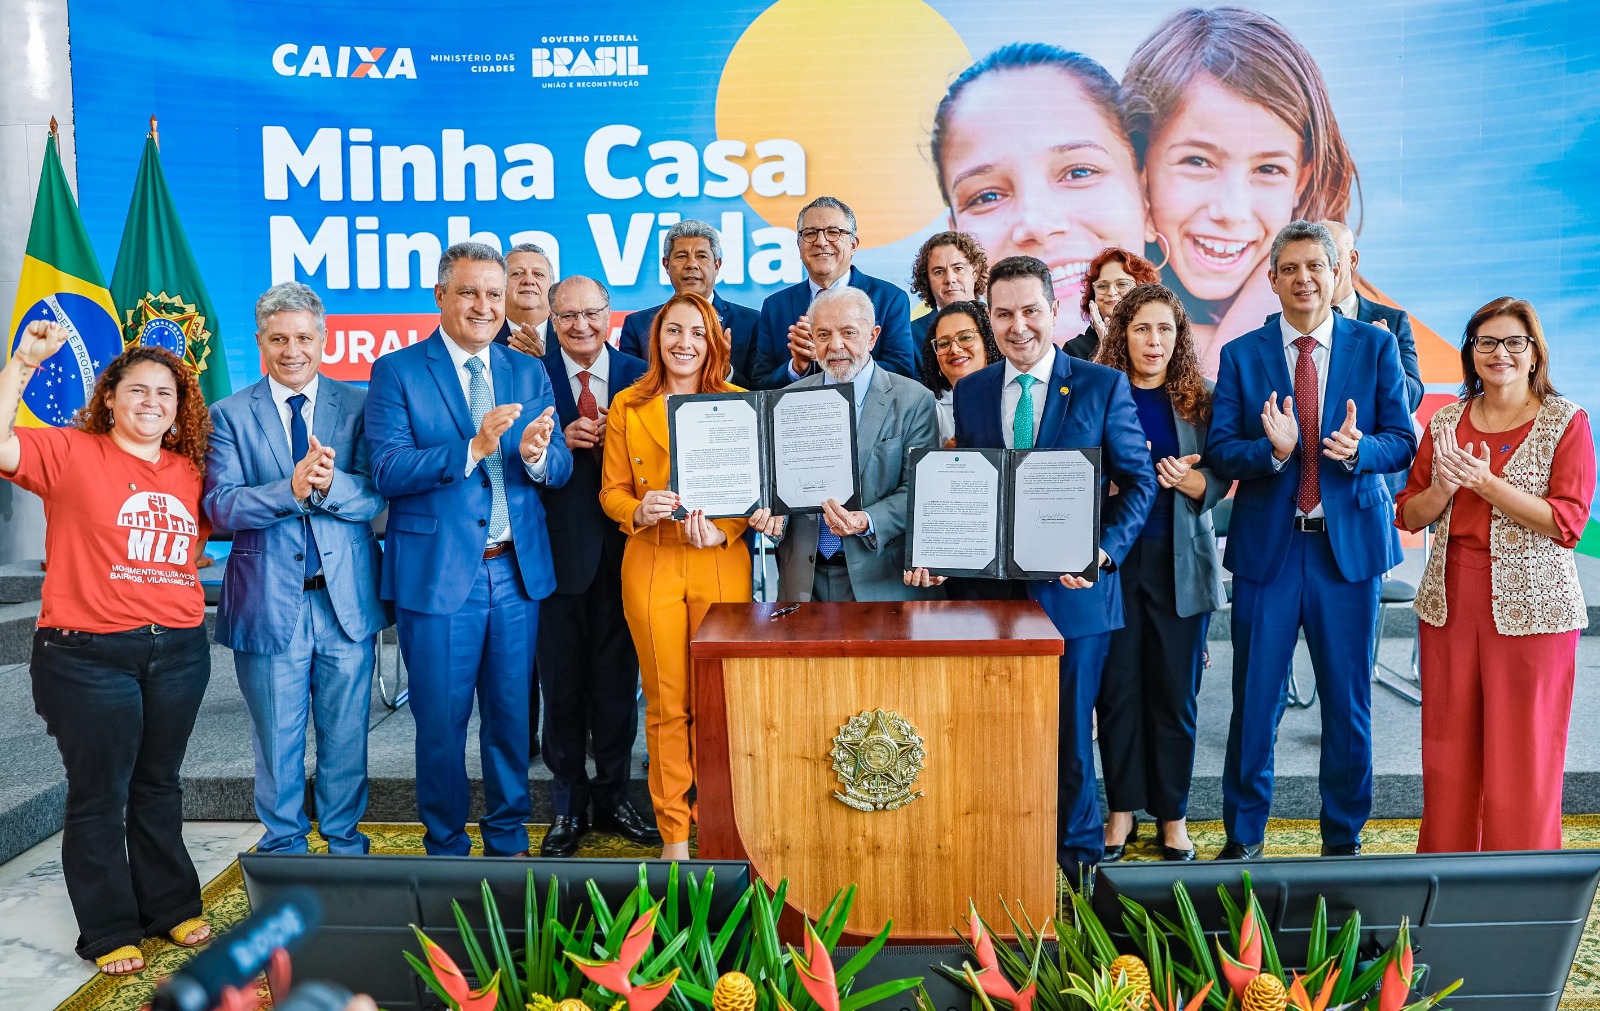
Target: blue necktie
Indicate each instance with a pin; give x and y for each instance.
(479, 403)
(1022, 421)
(828, 542)
(299, 446)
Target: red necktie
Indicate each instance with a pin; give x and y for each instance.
(588, 408)
(1305, 405)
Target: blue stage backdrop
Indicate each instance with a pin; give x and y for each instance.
(345, 142)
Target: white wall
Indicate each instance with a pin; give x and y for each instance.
(35, 84)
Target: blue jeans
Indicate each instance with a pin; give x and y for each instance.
(121, 706)
(325, 676)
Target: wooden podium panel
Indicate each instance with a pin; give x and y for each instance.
(979, 683)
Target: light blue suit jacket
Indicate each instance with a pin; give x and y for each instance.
(248, 470)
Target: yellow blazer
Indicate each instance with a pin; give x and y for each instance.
(638, 460)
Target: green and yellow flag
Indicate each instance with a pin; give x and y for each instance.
(157, 283)
(61, 282)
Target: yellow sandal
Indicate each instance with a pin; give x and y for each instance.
(180, 933)
(126, 953)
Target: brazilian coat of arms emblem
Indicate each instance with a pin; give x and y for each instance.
(167, 321)
(877, 756)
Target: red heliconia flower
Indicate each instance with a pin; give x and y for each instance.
(1194, 1004)
(994, 982)
(816, 971)
(617, 976)
(1397, 975)
(454, 983)
(1240, 971)
(1302, 1001)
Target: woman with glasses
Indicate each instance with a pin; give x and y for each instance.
(1505, 475)
(960, 342)
(1111, 275)
(950, 267)
(1171, 579)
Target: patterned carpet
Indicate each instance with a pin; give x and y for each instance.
(226, 905)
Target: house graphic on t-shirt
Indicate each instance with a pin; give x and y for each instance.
(151, 510)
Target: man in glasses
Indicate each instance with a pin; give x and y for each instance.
(587, 669)
(786, 350)
(691, 255)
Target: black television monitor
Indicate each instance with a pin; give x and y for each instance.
(369, 903)
(1506, 923)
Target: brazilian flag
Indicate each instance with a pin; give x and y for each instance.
(157, 283)
(61, 282)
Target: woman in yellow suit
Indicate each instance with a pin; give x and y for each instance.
(672, 571)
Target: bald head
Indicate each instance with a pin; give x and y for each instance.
(1345, 239)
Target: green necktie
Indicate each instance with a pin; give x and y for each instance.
(1022, 421)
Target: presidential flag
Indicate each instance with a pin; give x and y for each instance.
(157, 284)
(61, 282)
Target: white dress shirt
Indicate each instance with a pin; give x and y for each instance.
(863, 383)
(1011, 394)
(597, 376)
(1350, 306)
(280, 396)
(1323, 334)
(459, 356)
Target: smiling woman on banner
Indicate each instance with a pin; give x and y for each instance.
(1505, 475)
(672, 571)
(120, 657)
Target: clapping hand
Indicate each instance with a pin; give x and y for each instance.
(1096, 320)
(1459, 466)
(496, 422)
(1280, 425)
(701, 532)
(536, 437)
(40, 339)
(314, 471)
(526, 340)
(802, 348)
(1344, 443)
(587, 434)
(763, 522)
(1172, 470)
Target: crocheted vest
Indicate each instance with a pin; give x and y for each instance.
(1533, 580)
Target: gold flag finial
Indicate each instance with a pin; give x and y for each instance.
(153, 134)
(54, 132)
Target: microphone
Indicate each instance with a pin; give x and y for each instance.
(240, 956)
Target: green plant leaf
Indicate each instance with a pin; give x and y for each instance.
(1269, 950)
(510, 988)
(480, 964)
(883, 991)
(843, 975)
(730, 927)
(1317, 948)
(1345, 947)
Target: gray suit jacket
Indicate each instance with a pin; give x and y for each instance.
(1197, 566)
(897, 416)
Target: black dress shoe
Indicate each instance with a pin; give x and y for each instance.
(1173, 853)
(625, 820)
(564, 835)
(1240, 851)
(1117, 852)
(1349, 849)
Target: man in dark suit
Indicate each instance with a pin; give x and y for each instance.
(528, 280)
(691, 254)
(287, 471)
(1321, 524)
(587, 667)
(1039, 398)
(785, 350)
(463, 435)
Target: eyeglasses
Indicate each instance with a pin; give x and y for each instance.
(965, 338)
(1112, 287)
(830, 233)
(592, 315)
(1516, 344)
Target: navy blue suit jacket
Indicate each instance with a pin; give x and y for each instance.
(1364, 366)
(782, 308)
(1087, 406)
(581, 536)
(419, 425)
(248, 491)
(739, 321)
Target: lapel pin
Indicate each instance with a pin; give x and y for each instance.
(1065, 391)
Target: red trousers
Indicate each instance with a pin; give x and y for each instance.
(1495, 710)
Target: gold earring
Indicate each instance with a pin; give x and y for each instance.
(1166, 251)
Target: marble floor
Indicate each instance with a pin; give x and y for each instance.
(38, 969)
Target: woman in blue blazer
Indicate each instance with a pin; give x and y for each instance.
(1171, 580)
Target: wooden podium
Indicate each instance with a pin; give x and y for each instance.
(976, 681)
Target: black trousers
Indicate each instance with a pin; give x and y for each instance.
(1147, 694)
(121, 706)
(589, 676)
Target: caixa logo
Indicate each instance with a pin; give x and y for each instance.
(379, 62)
(606, 61)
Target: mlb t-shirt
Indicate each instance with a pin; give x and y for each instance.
(121, 536)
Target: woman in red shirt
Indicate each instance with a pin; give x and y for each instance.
(120, 657)
(1505, 475)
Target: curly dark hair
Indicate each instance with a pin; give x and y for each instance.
(1185, 383)
(970, 247)
(932, 377)
(194, 421)
(1141, 270)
